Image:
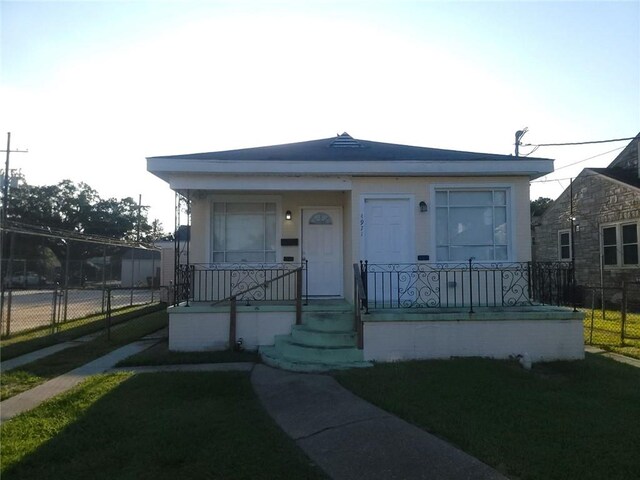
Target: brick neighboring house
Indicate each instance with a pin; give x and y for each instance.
(606, 225)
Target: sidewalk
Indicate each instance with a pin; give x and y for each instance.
(350, 438)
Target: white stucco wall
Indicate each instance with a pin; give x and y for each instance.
(201, 330)
(542, 340)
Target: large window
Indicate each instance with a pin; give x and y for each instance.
(564, 245)
(472, 223)
(620, 244)
(244, 232)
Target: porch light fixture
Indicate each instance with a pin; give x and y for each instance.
(287, 215)
(423, 206)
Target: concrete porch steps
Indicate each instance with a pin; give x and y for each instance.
(325, 341)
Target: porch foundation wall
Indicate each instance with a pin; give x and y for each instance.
(542, 340)
(208, 331)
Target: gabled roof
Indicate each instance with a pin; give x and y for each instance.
(343, 148)
(626, 176)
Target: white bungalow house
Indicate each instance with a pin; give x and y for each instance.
(396, 252)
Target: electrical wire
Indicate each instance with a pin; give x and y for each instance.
(577, 143)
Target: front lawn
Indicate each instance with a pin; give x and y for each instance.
(32, 374)
(561, 420)
(152, 426)
(161, 355)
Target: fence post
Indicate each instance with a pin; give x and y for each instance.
(9, 298)
(623, 306)
(593, 309)
(364, 275)
(108, 317)
(233, 313)
(299, 297)
(470, 286)
(53, 309)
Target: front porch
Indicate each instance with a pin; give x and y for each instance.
(299, 333)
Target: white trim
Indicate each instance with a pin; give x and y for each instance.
(512, 248)
(534, 168)
(388, 196)
(225, 182)
(277, 199)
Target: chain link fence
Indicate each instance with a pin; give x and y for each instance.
(62, 287)
(612, 317)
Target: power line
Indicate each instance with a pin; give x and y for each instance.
(575, 163)
(577, 143)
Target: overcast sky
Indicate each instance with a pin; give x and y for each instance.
(91, 88)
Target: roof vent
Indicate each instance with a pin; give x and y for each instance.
(345, 140)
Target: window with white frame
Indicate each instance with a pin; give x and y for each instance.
(564, 245)
(472, 223)
(244, 232)
(620, 244)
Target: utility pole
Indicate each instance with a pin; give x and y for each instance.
(519, 135)
(3, 220)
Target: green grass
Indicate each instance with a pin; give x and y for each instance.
(32, 374)
(606, 331)
(26, 342)
(561, 420)
(152, 426)
(161, 355)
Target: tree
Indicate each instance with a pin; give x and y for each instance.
(539, 206)
(79, 208)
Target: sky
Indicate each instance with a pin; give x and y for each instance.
(92, 88)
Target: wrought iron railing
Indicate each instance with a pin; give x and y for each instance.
(463, 285)
(553, 283)
(213, 282)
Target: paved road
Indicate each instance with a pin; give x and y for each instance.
(35, 308)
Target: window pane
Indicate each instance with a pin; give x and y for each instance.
(629, 234)
(609, 236)
(257, 257)
(270, 257)
(565, 253)
(233, 208)
(499, 197)
(471, 226)
(610, 256)
(218, 232)
(630, 254)
(441, 226)
(270, 227)
(501, 253)
(471, 198)
(500, 231)
(245, 232)
(464, 253)
(441, 198)
(218, 257)
(564, 239)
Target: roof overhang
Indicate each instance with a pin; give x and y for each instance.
(186, 173)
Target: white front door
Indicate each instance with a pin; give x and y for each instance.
(388, 236)
(322, 248)
(388, 243)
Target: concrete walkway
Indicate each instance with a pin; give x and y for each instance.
(350, 438)
(634, 362)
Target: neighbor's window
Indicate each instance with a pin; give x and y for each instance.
(244, 232)
(620, 244)
(564, 244)
(630, 244)
(472, 223)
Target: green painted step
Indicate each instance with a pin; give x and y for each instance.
(271, 357)
(328, 321)
(305, 335)
(289, 350)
